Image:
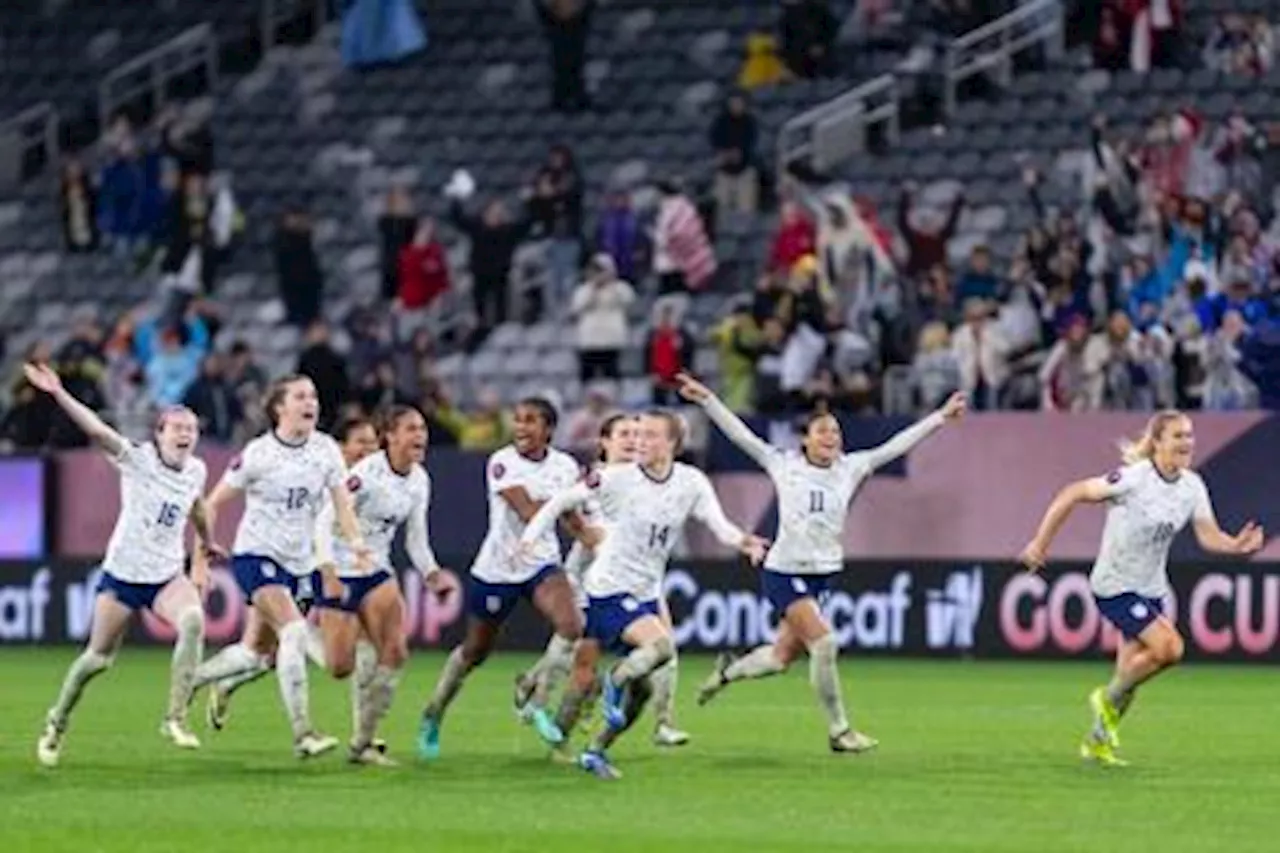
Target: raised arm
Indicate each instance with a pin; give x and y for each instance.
(902, 443)
(727, 422)
(544, 519)
(45, 379)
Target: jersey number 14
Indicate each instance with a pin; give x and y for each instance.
(658, 535)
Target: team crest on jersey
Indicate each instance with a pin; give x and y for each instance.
(353, 483)
(498, 470)
(236, 462)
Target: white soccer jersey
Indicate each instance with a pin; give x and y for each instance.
(1144, 514)
(147, 545)
(813, 501)
(647, 518)
(597, 513)
(284, 486)
(384, 500)
(499, 559)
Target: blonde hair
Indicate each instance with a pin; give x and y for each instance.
(1144, 446)
(934, 336)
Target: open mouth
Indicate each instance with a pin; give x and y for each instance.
(183, 445)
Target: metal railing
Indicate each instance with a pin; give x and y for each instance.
(992, 47)
(151, 72)
(276, 14)
(34, 129)
(832, 132)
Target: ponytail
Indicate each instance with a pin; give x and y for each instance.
(1143, 447)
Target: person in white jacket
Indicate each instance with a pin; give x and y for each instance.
(982, 351)
(600, 309)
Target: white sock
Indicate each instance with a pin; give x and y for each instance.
(187, 652)
(232, 683)
(552, 668)
(451, 678)
(81, 672)
(231, 661)
(760, 662)
(664, 680)
(382, 689)
(366, 666)
(315, 646)
(824, 675)
(643, 660)
(291, 670)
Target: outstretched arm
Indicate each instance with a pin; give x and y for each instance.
(45, 379)
(1094, 490)
(1214, 539)
(729, 423)
(902, 443)
(707, 510)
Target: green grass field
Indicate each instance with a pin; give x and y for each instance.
(974, 757)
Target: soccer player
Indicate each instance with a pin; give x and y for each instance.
(814, 488)
(357, 438)
(652, 500)
(391, 489)
(1152, 496)
(519, 478)
(160, 487)
(284, 476)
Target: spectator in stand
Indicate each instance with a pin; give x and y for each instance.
(423, 278)
(1240, 45)
(619, 234)
(668, 352)
(82, 367)
(494, 238)
(925, 233)
(172, 369)
(797, 236)
(1114, 365)
(327, 369)
(378, 390)
(298, 269)
(396, 229)
(935, 371)
(1064, 376)
(733, 136)
(556, 208)
(187, 229)
(486, 429)
(129, 195)
(1226, 388)
(1237, 297)
(580, 434)
(770, 399)
(370, 341)
(1156, 39)
(683, 256)
(978, 281)
(600, 308)
(79, 208)
(982, 352)
(567, 24)
(27, 424)
(737, 342)
(1236, 148)
(762, 67)
(186, 140)
(807, 32)
(1111, 45)
(214, 401)
(246, 377)
(415, 365)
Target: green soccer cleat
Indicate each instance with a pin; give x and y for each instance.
(1106, 713)
(1101, 753)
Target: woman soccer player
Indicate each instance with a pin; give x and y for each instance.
(357, 438)
(1149, 499)
(519, 478)
(284, 476)
(160, 487)
(391, 489)
(651, 502)
(814, 488)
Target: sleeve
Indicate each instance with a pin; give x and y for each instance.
(417, 535)
(902, 443)
(242, 470)
(501, 473)
(1203, 509)
(1121, 481)
(707, 509)
(127, 457)
(579, 493)
(335, 467)
(324, 533)
(740, 434)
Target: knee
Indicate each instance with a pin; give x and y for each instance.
(191, 623)
(98, 661)
(394, 655)
(665, 649)
(570, 627)
(473, 654)
(1169, 652)
(341, 664)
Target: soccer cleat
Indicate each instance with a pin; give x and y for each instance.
(544, 725)
(218, 709)
(49, 746)
(852, 742)
(1101, 753)
(611, 703)
(177, 732)
(313, 744)
(715, 681)
(665, 735)
(429, 739)
(598, 766)
(522, 696)
(562, 753)
(1106, 713)
(370, 756)
(377, 744)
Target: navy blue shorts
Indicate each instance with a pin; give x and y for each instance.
(253, 572)
(782, 591)
(608, 618)
(354, 590)
(493, 602)
(1130, 612)
(135, 596)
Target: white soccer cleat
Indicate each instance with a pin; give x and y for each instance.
(218, 709)
(370, 756)
(177, 732)
(716, 681)
(665, 735)
(853, 742)
(312, 744)
(49, 747)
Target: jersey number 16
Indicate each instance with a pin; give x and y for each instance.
(169, 514)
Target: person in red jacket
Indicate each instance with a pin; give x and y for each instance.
(668, 353)
(796, 238)
(424, 275)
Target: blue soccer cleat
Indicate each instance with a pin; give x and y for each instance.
(598, 766)
(611, 703)
(429, 739)
(545, 726)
